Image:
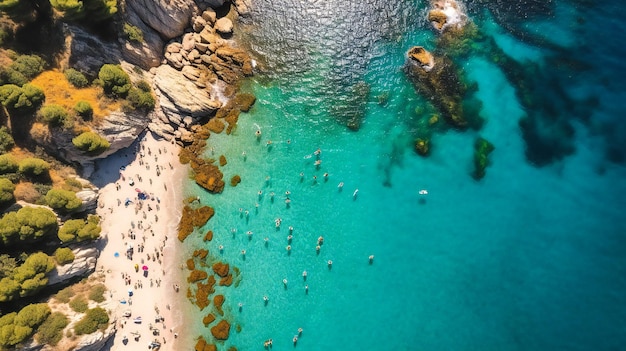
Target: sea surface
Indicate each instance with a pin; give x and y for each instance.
(531, 257)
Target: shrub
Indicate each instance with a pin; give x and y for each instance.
(79, 304)
(34, 167)
(84, 109)
(28, 65)
(97, 293)
(27, 279)
(114, 80)
(140, 99)
(21, 100)
(91, 143)
(6, 192)
(92, 11)
(133, 33)
(73, 183)
(6, 140)
(32, 315)
(78, 230)
(7, 265)
(65, 295)
(76, 78)
(93, 319)
(65, 201)
(50, 332)
(27, 224)
(53, 114)
(64, 255)
(8, 164)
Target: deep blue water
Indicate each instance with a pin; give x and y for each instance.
(531, 257)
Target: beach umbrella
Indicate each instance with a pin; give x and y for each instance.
(145, 268)
(117, 254)
(138, 190)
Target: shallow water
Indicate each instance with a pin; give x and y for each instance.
(528, 258)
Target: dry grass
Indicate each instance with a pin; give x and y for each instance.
(59, 91)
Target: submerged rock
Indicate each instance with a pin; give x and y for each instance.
(445, 14)
(220, 330)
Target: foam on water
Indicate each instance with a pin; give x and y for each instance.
(526, 259)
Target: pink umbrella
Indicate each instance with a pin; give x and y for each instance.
(138, 190)
(145, 268)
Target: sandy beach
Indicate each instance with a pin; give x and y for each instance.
(140, 205)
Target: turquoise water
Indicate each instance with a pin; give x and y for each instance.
(528, 258)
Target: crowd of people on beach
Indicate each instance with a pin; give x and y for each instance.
(133, 206)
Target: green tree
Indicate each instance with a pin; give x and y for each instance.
(27, 224)
(22, 70)
(6, 192)
(33, 315)
(9, 288)
(114, 80)
(76, 78)
(6, 140)
(86, 10)
(64, 255)
(7, 265)
(140, 99)
(64, 201)
(91, 143)
(50, 332)
(21, 100)
(84, 109)
(34, 167)
(78, 230)
(8, 164)
(53, 114)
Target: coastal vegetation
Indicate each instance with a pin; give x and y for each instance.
(91, 143)
(482, 149)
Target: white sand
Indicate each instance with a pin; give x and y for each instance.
(156, 290)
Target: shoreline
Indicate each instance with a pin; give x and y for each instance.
(149, 226)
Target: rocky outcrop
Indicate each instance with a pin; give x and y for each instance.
(180, 96)
(202, 68)
(220, 330)
(169, 18)
(86, 52)
(446, 14)
(89, 198)
(119, 128)
(85, 258)
(147, 53)
(422, 58)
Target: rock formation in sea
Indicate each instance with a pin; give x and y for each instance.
(445, 14)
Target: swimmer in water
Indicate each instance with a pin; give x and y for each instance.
(258, 133)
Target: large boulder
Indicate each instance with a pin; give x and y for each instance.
(168, 17)
(180, 96)
(224, 25)
(445, 14)
(89, 198)
(422, 58)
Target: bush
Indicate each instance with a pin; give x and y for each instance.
(141, 100)
(84, 109)
(78, 230)
(91, 143)
(8, 164)
(23, 69)
(92, 11)
(21, 100)
(94, 318)
(65, 295)
(34, 167)
(133, 33)
(50, 332)
(27, 224)
(79, 304)
(114, 80)
(53, 114)
(6, 192)
(6, 140)
(27, 279)
(64, 201)
(97, 293)
(64, 255)
(32, 315)
(76, 78)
